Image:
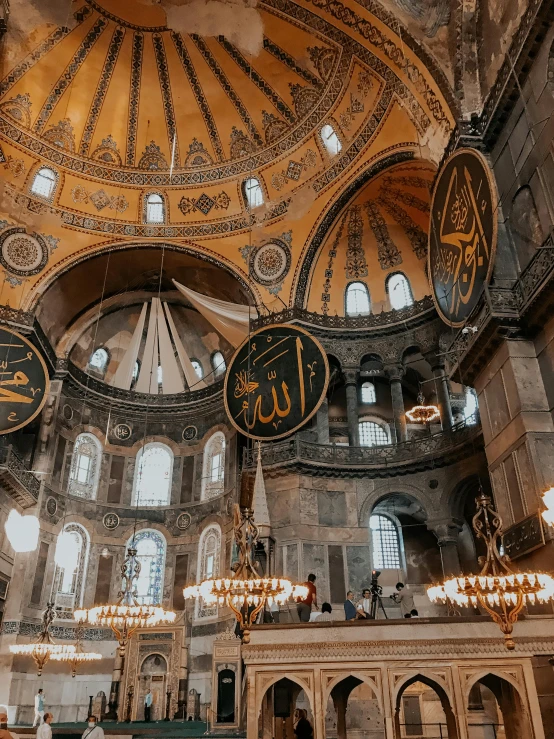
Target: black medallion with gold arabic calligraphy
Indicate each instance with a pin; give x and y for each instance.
(462, 235)
(24, 383)
(276, 381)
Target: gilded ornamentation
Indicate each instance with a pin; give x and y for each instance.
(418, 238)
(204, 203)
(346, 118)
(274, 127)
(387, 251)
(394, 193)
(240, 144)
(198, 155)
(326, 294)
(304, 98)
(107, 151)
(19, 108)
(21, 253)
(100, 199)
(152, 158)
(294, 170)
(16, 166)
(356, 265)
(269, 263)
(323, 59)
(62, 135)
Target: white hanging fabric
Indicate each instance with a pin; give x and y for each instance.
(148, 377)
(193, 381)
(230, 319)
(123, 376)
(259, 504)
(171, 377)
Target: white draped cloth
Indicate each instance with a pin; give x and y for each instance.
(232, 320)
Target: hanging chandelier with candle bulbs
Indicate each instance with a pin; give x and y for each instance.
(422, 413)
(500, 591)
(44, 647)
(126, 615)
(245, 592)
(79, 656)
(548, 500)
(22, 531)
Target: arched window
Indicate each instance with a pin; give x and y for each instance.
(99, 360)
(218, 363)
(155, 210)
(85, 467)
(253, 193)
(330, 140)
(471, 407)
(357, 299)
(136, 370)
(197, 367)
(209, 558)
(150, 546)
(44, 183)
(385, 543)
(213, 466)
(372, 434)
(68, 584)
(153, 472)
(368, 392)
(399, 290)
(160, 375)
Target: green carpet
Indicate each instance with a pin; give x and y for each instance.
(140, 729)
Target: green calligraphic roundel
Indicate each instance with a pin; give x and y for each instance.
(24, 383)
(275, 382)
(462, 235)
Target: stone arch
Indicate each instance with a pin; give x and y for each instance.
(383, 490)
(436, 683)
(510, 699)
(302, 684)
(358, 676)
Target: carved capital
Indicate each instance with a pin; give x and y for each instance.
(351, 375)
(395, 372)
(447, 530)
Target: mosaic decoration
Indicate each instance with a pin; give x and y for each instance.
(346, 118)
(107, 151)
(240, 145)
(111, 521)
(132, 122)
(326, 294)
(184, 520)
(152, 158)
(294, 170)
(416, 235)
(69, 74)
(407, 181)
(270, 264)
(15, 166)
(356, 265)
(323, 59)
(274, 127)
(204, 203)
(61, 135)
(100, 199)
(21, 253)
(387, 251)
(304, 99)
(198, 155)
(165, 86)
(407, 198)
(100, 93)
(19, 108)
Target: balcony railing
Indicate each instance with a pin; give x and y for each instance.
(297, 451)
(16, 478)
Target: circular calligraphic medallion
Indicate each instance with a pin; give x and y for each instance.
(122, 431)
(111, 521)
(22, 253)
(183, 521)
(24, 382)
(276, 381)
(51, 506)
(189, 433)
(462, 235)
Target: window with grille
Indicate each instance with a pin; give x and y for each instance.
(150, 546)
(368, 392)
(357, 301)
(399, 290)
(384, 542)
(209, 556)
(213, 466)
(253, 193)
(136, 370)
(330, 139)
(160, 375)
(372, 434)
(155, 209)
(153, 475)
(44, 183)
(68, 583)
(85, 467)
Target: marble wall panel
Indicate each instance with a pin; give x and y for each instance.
(314, 560)
(290, 562)
(331, 508)
(308, 506)
(176, 481)
(358, 565)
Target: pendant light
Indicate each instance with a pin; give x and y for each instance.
(22, 531)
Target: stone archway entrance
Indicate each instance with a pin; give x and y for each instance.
(353, 711)
(277, 713)
(496, 711)
(423, 710)
(152, 676)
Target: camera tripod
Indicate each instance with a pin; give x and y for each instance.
(376, 601)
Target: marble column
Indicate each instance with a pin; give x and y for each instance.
(322, 423)
(395, 374)
(443, 389)
(113, 703)
(447, 533)
(351, 381)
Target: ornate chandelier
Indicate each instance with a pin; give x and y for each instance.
(246, 592)
(422, 413)
(500, 591)
(44, 647)
(127, 615)
(79, 656)
(548, 500)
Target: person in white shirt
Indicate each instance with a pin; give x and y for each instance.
(325, 614)
(93, 731)
(148, 699)
(364, 606)
(44, 731)
(39, 708)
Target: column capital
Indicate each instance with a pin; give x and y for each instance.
(435, 359)
(446, 530)
(394, 371)
(351, 375)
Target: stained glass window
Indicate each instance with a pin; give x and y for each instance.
(44, 183)
(68, 583)
(85, 467)
(209, 555)
(399, 290)
(150, 546)
(372, 434)
(385, 543)
(153, 475)
(357, 299)
(213, 472)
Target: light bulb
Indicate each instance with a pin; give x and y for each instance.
(105, 552)
(22, 531)
(67, 552)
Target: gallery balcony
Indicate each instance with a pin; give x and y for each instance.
(16, 478)
(332, 460)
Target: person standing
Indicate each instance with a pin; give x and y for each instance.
(4, 733)
(364, 606)
(39, 708)
(302, 727)
(404, 599)
(93, 731)
(44, 731)
(304, 606)
(326, 611)
(148, 698)
(350, 612)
